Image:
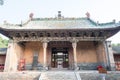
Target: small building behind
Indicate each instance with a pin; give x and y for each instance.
(116, 53)
(3, 52)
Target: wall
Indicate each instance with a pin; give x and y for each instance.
(101, 53)
(71, 58)
(90, 54)
(2, 59)
(86, 52)
(117, 57)
(49, 52)
(30, 48)
(19, 50)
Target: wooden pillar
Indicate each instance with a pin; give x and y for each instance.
(45, 54)
(74, 45)
(11, 61)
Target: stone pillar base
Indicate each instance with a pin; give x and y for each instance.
(112, 68)
(76, 68)
(45, 68)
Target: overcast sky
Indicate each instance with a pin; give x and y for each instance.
(15, 11)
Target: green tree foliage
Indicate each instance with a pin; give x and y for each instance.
(3, 42)
(118, 44)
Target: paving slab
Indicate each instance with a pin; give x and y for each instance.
(58, 75)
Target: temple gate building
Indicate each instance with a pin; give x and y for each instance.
(59, 43)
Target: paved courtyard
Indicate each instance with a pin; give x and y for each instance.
(27, 75)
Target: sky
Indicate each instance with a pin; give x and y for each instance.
(15, 11)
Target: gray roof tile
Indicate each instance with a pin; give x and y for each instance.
(3, 51)
(116, 49)
(66, 23)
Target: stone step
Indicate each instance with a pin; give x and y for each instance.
(58, 75)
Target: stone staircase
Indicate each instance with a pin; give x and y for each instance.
(58, 75)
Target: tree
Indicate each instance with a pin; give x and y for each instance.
(3, 42)
(118, 44)
(113, 44)
(1, 2)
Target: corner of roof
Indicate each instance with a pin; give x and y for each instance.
(20, 25)
(92, 21)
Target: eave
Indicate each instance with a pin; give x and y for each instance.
(107, 29)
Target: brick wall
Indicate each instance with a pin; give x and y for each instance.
(86, 52)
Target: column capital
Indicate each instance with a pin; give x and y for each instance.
(73, 40)
(13, 41)
(45, 40)
(74, 44)
(45, 44)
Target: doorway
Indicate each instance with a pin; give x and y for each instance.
(60, 58)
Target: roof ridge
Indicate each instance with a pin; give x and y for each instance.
(67, 18)
(92, 21)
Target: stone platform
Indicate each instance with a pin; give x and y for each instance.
(26, 75)
(58, 75)
(94, 75)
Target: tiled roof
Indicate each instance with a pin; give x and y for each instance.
(3, 51)
(65, 23)
(116, 49)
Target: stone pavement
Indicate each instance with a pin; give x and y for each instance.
(26, 75)
(58, 75)
(94, 75)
